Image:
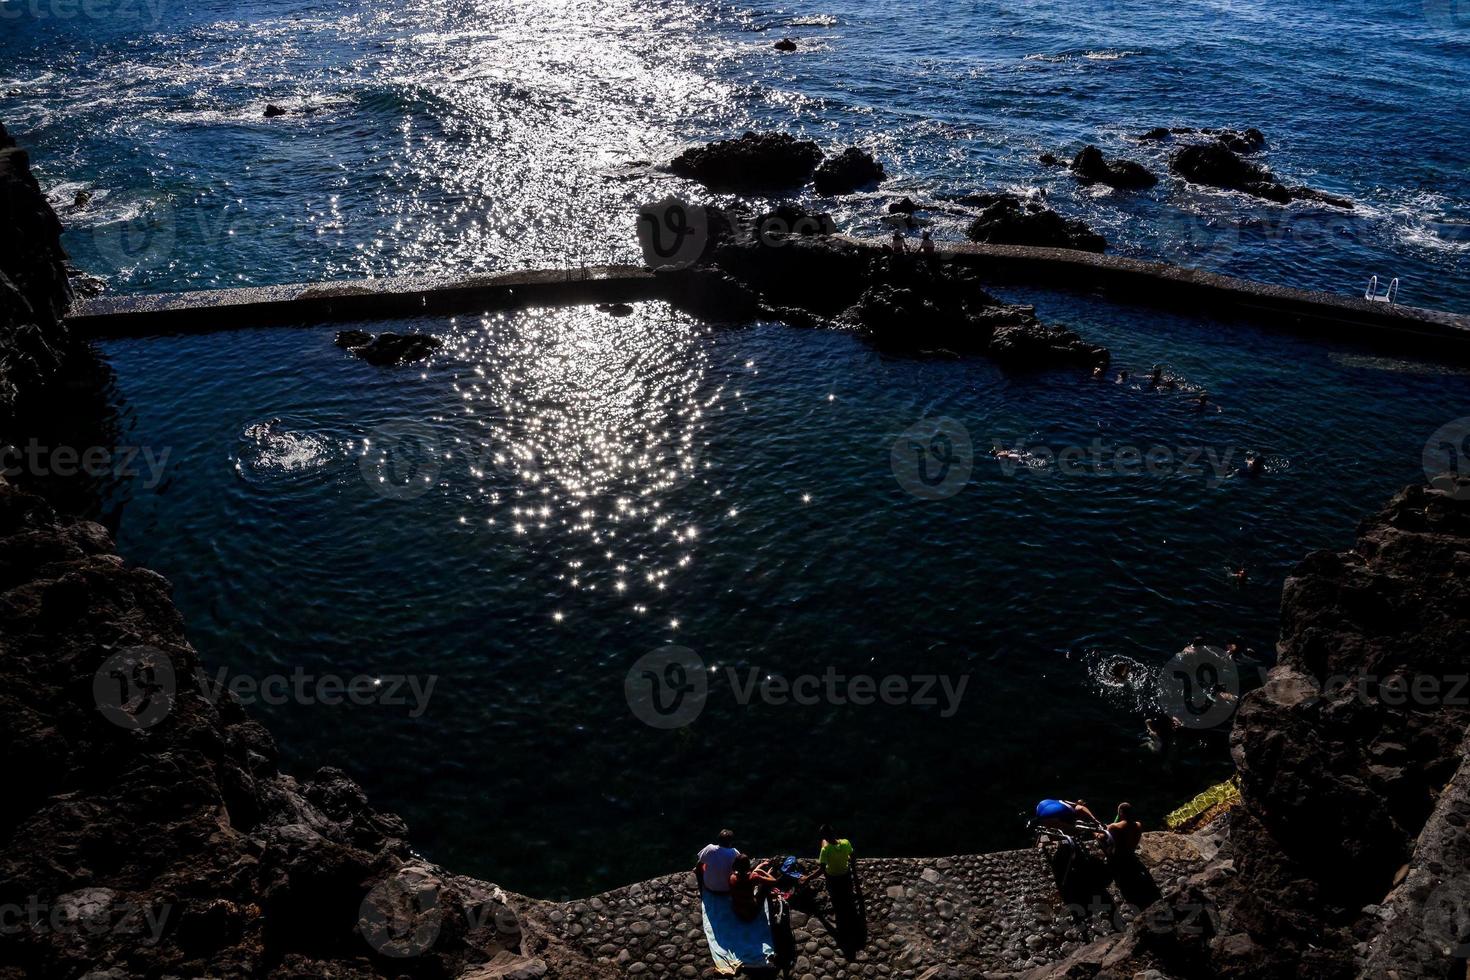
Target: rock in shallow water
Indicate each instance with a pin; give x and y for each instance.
(848, 171)
(1216, 165)
(1244, 141)
(750, 162)
(1007, 220)
(1090, 167)
(388, 348)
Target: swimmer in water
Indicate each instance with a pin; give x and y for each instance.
(1120, 671)
(1254, 465)
(1097, 372)
(1239, 575)
(1001, 453)
(1156, 376)
(1202, 402)
(1122, 377)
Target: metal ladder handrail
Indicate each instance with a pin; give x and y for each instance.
(1389, 295)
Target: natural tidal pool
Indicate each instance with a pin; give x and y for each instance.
(502, 533)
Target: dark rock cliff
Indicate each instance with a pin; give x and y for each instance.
(1349, 855)
(34, 292)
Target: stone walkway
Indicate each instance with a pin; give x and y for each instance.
(991, 913)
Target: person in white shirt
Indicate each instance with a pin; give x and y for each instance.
(713, 865)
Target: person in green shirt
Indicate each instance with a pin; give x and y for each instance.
(835, 861)
(836, 855)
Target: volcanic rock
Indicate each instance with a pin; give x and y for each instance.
(848, 171)
(1215, 165)
(388, 348)
(752, 161)
(1007, 220)
(1089, 167)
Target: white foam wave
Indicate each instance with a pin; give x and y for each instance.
(269, 451)
(813, 20)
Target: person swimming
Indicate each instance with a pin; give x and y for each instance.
(1202, 402)
(1254, 465)
(1122, 378)
(1156, 376)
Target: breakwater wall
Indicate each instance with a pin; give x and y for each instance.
(1116, 277)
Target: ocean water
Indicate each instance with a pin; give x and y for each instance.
(530, 519)
(466, 136)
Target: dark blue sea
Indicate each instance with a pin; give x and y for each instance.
(530, 519)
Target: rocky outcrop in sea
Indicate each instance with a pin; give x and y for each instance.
(1089, 166)
(1214, 164)
(1010, 220)
(751, 161)
(806, 276)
